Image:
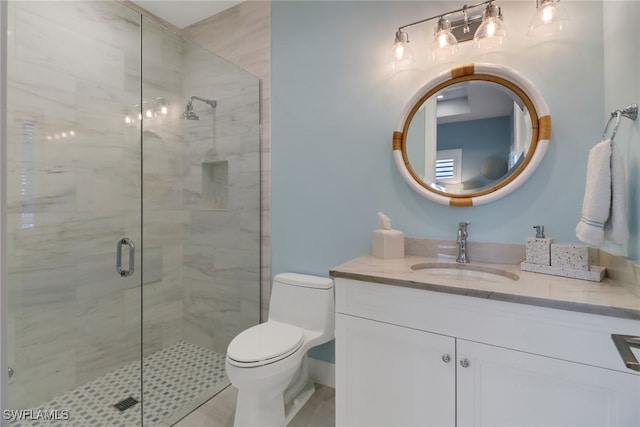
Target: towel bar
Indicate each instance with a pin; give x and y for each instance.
(631, 112)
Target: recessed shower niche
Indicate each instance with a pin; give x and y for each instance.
(215, 185)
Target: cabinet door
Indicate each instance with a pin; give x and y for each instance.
(388, 375)
(502, 387)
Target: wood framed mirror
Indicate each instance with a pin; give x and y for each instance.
(472, 135)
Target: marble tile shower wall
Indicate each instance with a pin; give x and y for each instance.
(75, 66)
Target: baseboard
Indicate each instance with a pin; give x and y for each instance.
(322, 372)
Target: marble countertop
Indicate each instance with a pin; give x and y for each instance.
(604, 298)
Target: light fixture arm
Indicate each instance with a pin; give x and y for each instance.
(465, 14)
(464, 9)
(538, 2)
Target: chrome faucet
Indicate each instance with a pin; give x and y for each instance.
(461, 240)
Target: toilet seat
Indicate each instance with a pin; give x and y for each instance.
(264, 343)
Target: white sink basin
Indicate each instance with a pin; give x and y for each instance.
(464, 271)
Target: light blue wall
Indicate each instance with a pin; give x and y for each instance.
(335, 107)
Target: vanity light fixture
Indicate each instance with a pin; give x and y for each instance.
(550, 18)
(449, 32)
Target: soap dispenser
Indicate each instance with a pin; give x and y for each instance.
(538, 250)
(539, 231)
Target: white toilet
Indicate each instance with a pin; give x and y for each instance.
(268, 362)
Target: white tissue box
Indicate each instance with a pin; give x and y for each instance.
(387, 244)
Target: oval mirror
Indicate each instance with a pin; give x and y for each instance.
(472, 135)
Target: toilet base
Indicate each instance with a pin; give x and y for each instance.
(299, 401)
(268, 409)
(253, 410)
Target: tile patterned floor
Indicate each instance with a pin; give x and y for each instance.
(177, 379)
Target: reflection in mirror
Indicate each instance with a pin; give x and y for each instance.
(472, 135)
(468, 136)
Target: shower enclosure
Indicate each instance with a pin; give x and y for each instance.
(133, 235)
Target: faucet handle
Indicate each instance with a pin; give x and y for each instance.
(463, 224)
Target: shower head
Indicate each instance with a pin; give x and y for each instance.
(189, 114)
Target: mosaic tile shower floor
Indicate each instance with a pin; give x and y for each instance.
(178, 378)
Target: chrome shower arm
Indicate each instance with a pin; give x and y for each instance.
(211, 102)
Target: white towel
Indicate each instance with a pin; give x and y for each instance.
(616, 229)
(604, 204)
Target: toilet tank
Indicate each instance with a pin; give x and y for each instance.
(303, 300)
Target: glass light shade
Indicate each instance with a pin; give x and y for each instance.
(401, 56)
(445, 44)
(492, 33)
(549, 19)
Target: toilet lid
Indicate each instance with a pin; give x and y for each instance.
(265, 343)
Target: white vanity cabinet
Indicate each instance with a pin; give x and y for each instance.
(503, 387)
(410, 357)
(388, 375)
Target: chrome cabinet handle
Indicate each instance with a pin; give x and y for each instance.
(623, 344)
(464, 362)
(132, 257)
(446, 358)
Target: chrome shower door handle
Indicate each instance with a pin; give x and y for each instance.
(132, 257)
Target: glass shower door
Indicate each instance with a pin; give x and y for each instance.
(201, 203)
(74, 192)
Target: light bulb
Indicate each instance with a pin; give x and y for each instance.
(128, 120)
(164, 110)
(149, 113)
(442, 40)
(491, 29)
(547, 14)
